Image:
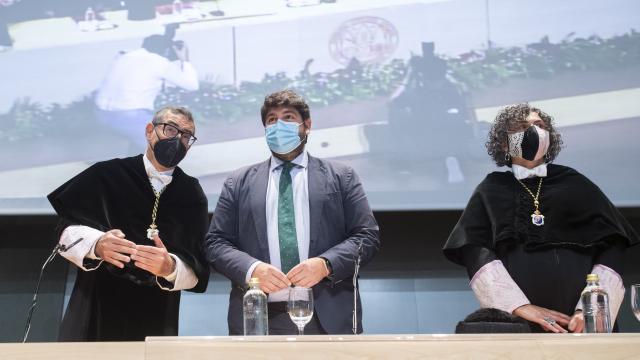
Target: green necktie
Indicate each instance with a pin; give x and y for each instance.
(287, 221)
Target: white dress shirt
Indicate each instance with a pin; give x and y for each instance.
(136, 77)
(300, 186)
(182, 277)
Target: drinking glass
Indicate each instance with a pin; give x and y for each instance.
(300, 306)
(635, 300)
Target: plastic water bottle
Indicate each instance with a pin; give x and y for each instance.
(254, 308)
(595, 307)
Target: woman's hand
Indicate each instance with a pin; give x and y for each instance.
(549, 320)
(576, 324)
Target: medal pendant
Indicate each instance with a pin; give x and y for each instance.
(152, 231)
(537, 218)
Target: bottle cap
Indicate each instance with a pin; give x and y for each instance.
(592, 277)
(254, 281)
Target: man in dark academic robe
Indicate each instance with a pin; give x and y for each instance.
(134, 226)
(530, 236)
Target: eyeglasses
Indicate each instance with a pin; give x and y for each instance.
(171, 131)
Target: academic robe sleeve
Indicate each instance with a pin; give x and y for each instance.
(75, 201)
(578, 212)
(108, 195)
(470, 244)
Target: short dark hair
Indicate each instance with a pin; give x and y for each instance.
(156, 44)
(498, 142)
(158, 117)
(285, 98)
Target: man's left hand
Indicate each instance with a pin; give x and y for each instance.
(308, 273)
(154, 259)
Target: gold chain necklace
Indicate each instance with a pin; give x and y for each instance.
(536, 218)
(153, 228)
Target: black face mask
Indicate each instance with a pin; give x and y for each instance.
(530, 144)
(169, 152)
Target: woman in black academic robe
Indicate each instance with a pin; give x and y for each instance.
(528, 237)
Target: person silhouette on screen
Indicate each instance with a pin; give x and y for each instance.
(429, 117)
(5, 18)
(529, 236)
(125, 99)
(293, 219)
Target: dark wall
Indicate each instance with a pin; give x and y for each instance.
(25, 243)
(411, 243)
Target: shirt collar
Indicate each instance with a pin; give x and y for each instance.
(301, 160)
(521, 172)
(152, 171)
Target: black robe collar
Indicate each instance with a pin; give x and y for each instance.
(577, 214)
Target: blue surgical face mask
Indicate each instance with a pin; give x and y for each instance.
(282, 137)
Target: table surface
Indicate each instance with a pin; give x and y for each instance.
(419, 346)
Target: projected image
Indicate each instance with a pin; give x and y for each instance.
(404, 91)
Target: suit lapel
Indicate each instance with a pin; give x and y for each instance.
(258, 191)
(317, 180)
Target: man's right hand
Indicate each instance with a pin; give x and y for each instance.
(113, 248)
(271, 278)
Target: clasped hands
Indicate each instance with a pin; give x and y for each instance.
(306, 274)
(115, 249)
(551, 320)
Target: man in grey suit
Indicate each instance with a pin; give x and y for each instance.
(292, 220)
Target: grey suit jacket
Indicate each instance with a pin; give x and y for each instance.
(340, 218)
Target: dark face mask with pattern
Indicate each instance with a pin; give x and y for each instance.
(169, 152)
(531, 144)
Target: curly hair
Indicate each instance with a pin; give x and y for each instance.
(285, 98)
(508, 118)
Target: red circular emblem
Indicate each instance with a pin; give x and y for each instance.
(368, 39)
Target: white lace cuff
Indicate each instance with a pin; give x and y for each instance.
(182, 278)
(494, 288)
(82, 253)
